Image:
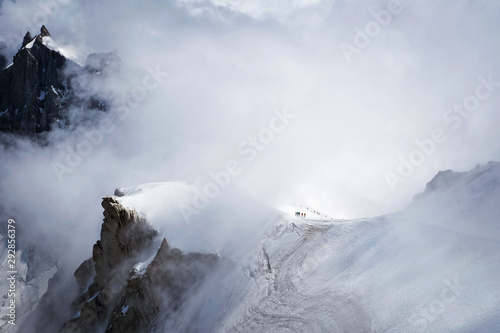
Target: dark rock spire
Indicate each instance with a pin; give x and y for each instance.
(27, 38)
(3, 58)
(123, 297)
(36, 91)
(44, 32)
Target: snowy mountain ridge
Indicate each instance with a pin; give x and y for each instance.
(411, 271)
(429, 268)
(42, 85)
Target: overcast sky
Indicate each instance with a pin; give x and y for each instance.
(360, 92)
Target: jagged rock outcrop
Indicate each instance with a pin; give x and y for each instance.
(122, 298)
(84, 274)
(3, 58)
(37, 91)
(119, 193)
(124, 238)
(167, 280)
(44, 32)
(34, 90)
(27, 39)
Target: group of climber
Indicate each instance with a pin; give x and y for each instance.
(300, 214)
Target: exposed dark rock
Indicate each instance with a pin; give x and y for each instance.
(118, 193)
(37, 91)
(27, 39)
(84, 274)
(124, 299)
(3, 58)
(44, 32)
(125, 237)
(34, 90)
(167, 280)
(3, 61)
(123, 233)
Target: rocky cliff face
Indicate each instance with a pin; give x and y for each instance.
(36, 91)
(161, 288)
(124, 296)
(3, 58)
(124, 238)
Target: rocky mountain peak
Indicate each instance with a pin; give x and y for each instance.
(125, 239)
(3, 58)
(123, 233)
(27, 39)
(128, 290)
(34, 90)
(44, 32)
(38, 89)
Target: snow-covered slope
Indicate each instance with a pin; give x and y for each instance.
(68, 51)
(431, 268)
(229, 223)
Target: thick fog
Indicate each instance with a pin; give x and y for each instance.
(350, 107)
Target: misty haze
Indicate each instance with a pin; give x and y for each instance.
(249, 166)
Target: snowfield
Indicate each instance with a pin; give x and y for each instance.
(229, 224)
(432, 267)
(374, 275)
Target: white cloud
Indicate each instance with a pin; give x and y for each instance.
(228, 74)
